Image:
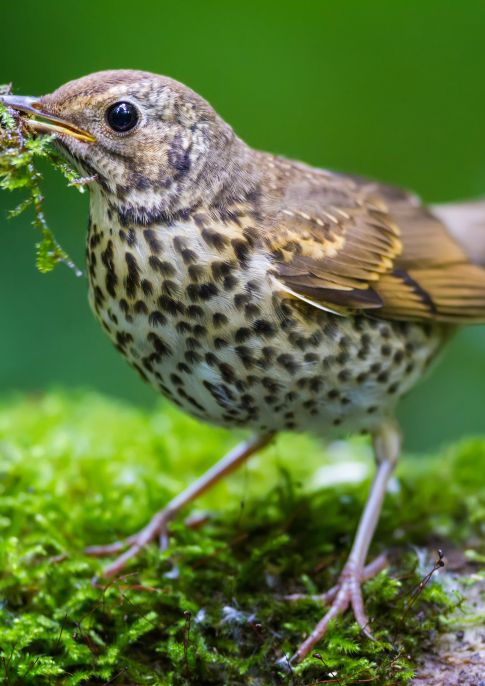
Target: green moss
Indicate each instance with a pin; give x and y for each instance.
(20, 153)
(78, 470)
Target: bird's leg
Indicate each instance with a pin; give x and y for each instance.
(157, 527)
(348, 592)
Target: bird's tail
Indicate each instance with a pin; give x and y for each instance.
(466, 223)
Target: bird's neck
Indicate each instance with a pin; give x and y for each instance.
(227, 177)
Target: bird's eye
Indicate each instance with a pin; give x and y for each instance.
(122, 116)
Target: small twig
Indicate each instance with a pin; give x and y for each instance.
(439, 564)
(317, 656)
(122, 671)
(188, 618)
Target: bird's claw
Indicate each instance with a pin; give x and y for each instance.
(347, 592)
(156, 528)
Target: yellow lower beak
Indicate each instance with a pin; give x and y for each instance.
(48, 123)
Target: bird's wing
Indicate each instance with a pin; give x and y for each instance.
(346, 245)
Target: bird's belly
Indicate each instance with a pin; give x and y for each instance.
(234, 352)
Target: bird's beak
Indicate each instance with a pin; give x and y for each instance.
(42, 122)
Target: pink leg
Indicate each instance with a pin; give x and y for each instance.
(348, 591)
(157, 527)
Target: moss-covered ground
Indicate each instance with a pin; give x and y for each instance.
(77, 470)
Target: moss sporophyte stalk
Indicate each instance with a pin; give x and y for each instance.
(20, 152)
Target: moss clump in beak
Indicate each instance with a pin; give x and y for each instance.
(20, 150)
(39, 121)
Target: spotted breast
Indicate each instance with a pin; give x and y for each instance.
(198, 312)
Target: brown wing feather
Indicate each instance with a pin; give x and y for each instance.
(346, 245)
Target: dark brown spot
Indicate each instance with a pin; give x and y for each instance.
(192, 343)
(315, 384)
(204, 291)
(220, 269)
(214, 239)
(152, 241)
(111, 280)
(241, 299)
(156, 318)
(169, 305)
(124, 307)
(147, 287)
(245, 355)
(227, 372)
(196, 272)
(265, 328)
(169, 287)
(251, 310)
(183, 327)
(123, 338)
(195, 312)
(288, 363)
(192, 357)
(230, 282)
(140, 307)
(242, 335)
(241, 249)
(219, 319)
(311, 357)
(159, 344)
(163, 267)
(189, 256)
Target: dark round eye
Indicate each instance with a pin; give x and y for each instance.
(122, 116)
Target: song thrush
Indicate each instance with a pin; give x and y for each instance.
(255, 291)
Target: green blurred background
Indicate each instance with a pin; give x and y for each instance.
(391, 90)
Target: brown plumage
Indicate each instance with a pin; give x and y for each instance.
(350, 244)
(255, 291)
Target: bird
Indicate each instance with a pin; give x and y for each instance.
(258, 292)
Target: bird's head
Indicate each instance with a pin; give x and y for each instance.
(150, 140)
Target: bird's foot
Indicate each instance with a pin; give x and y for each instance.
(347, 592)
(157, 528)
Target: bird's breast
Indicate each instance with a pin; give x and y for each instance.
(198, 314)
